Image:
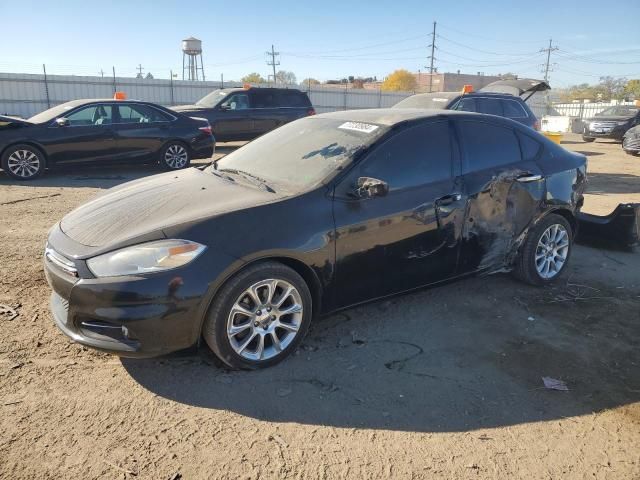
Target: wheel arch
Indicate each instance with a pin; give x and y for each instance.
(567, 214)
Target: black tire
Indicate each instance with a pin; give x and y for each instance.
(525, 265)
(175, 156)
(630, 152)
(33, 162)
(215, 325)
(588, 139)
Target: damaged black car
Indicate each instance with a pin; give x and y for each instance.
(319, 215)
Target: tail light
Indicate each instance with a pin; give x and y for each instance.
(206, 130)
(536, 125)
(311, 111)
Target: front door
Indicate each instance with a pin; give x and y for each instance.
(504, 188)
(233, 120)
(409, 237)
(87, 137)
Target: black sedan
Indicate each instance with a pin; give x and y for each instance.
(319, 215)
(611, 123)
(97, 132)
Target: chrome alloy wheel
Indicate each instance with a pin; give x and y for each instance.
(552, 251)
(265, 319)
(23, 163)
(176, 156)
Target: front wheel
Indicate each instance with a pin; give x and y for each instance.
(588, 139)
(174, 156)
(23, 162)
(259, 317)
(545, 253)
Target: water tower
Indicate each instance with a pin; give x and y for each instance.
(191, 52)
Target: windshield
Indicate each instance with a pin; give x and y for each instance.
(619, 111)
(212, 99)
(425, 100)
(52, 113)
(302, 153)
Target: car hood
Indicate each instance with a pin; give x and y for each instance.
(611, 118)
(143, 208)
(187, 108)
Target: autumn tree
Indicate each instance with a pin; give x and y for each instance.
(285, 77)
(400, 81)
(253, 78)
(632, 89)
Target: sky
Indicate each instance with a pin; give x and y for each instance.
(324, 40)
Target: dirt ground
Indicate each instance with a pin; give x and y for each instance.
(442, 383)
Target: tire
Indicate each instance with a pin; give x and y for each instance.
(263, 320)
(588, 139)
(175, 156)
(23, 162)
(533, 257)
(630, 152)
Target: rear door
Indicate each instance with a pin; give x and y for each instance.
(504, 187)
(141, 131)
(266, 112)
(409, 237)
(89, 136)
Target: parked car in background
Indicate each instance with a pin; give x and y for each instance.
(318, 215)
(247, 113)
(631, 141)
(501, 98)
(611, 123)
(97, 132)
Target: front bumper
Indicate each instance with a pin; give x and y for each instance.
(134, 316)
(615, 133)
(631, 144)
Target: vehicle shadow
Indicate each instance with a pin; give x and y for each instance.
(608, 183)
(461, 357)
(106, 176)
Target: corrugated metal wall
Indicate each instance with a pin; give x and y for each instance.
(25, 95)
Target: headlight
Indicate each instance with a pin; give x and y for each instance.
(623, 123)
(145, 258)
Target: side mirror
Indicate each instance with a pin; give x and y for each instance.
(372, 187)
(62, 122)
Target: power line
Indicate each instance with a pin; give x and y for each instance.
(483, 51)
(500, 40)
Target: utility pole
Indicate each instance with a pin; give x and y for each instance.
(101, 73)
(546, 67)
(139, 68)
(273, 54)
(432, 57)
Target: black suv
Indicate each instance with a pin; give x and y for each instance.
(501, 98)
(612, 122)
(247, 113)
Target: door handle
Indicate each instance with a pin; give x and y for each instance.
(449, 199)
(529, 178)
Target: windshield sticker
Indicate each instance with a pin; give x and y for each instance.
(359, 127)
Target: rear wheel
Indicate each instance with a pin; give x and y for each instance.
(588, 139)
(174, 156)
(259, 317)
(545, 253)
(23, 162)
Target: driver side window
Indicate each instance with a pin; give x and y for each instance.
(237, 101)
(413, 157)
(91, 115)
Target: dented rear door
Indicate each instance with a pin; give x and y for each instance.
(503, 190)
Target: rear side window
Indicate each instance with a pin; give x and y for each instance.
(530, 147)
(292, 98)
(413, 157)
(487, 145)
(263, 99)
(513, 109)
(490, 106)
(141, 114)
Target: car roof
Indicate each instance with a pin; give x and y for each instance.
(275, 89)
(393, 116)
